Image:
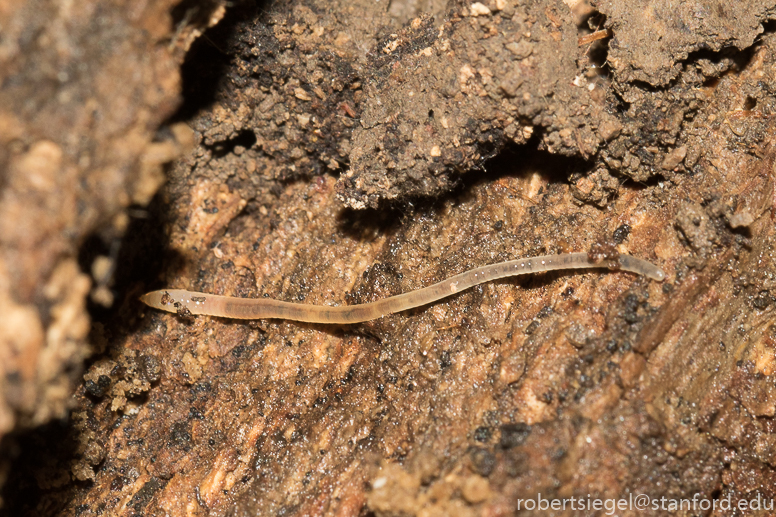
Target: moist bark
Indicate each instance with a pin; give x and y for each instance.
(341, 152)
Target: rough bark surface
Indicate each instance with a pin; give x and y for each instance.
(324, 155)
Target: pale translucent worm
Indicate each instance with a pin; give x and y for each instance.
(192, 303)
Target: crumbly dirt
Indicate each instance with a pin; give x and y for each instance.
(341, 152)
(652, 40)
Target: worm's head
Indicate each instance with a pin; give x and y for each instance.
(159, 300)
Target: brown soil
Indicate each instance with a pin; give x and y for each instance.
(341, 152)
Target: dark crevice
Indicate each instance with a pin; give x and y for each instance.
(209, 59)
(512, 160)
(597, 51)
(245, 139)
(713, 64)
(29, 451)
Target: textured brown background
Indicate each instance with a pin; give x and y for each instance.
(340, 152)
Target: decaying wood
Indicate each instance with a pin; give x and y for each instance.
(342, 150)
